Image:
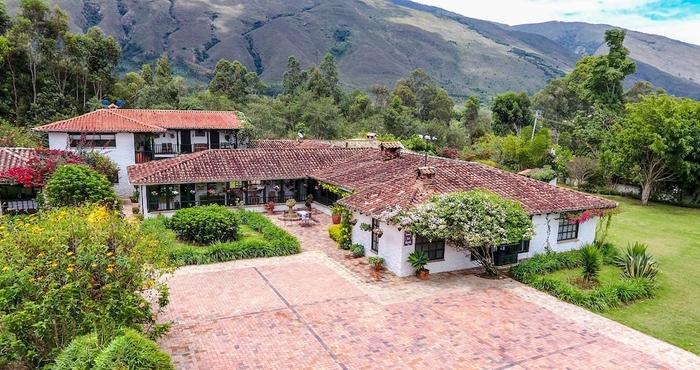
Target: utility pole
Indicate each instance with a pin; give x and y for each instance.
(534, 126)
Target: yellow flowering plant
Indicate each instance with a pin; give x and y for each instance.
(72, 271)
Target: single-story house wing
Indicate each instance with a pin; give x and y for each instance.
(391, 178)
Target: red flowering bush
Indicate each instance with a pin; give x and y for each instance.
(41, 166)
(449, 153)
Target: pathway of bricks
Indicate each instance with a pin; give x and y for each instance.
(323, 310)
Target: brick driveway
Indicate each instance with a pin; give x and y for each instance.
(317, 310)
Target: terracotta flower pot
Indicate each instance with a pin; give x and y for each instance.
(423, 274)
(336, 219)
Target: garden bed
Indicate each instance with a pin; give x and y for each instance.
(258, 237)
(559, 274)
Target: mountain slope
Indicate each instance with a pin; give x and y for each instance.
(374, 41)
(664, 62)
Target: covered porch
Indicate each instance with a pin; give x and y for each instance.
(170, 197)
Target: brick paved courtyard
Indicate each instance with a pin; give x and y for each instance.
(323, 310)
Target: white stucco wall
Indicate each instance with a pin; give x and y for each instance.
(395, 254)
(586, 234)
(123, 154)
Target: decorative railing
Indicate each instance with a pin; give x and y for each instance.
(18, 206)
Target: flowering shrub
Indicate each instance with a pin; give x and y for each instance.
(72, 271)
(73, 185)
(102, 164)
(41, 166)
(583, 216)
(474, 222)
(449, 153)
(205, 225)
(17, 137)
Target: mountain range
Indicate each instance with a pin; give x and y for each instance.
(373, 41)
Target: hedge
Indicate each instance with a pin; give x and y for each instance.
(279, 243)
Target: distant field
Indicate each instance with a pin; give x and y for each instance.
(673, 236)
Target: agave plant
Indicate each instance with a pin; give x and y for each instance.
(591, 262)
(636, 262)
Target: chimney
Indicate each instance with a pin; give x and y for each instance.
(390, 150)
(371, 136)
(427, 177)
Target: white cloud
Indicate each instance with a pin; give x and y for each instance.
(630, 14)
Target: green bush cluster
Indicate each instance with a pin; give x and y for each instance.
(279, 243)
(602, 298)
(358, 250)
(130, 350)
(205, 225)
(73, 185)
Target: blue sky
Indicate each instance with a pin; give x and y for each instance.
(677, 19)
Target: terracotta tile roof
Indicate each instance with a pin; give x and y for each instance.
(394, 182)
(223, 165)
(99, 121)
(13, 157)
(289, 144)
(391, 145)
(185, 119)
(145, 120)
(351, 143)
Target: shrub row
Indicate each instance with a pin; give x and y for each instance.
(544, 263)
(279, 243)
(335, 233)
(602, 298)
(130, 350)
(205, 225)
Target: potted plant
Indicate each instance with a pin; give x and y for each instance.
(336, 211)
(376, 261)
(309, 200)
(358, 250)
(418, 260)
(270, 207)
(135, 210)
(134, 197)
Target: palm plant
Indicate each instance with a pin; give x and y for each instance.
(591, 262)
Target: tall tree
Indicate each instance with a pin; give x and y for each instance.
(163, 73)
(330, 74)
(511, 112)
(294, 78)
(604, 84)
(233, 80)
(658, 142)
(470, 115)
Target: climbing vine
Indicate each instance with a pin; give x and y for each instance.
(335, 190)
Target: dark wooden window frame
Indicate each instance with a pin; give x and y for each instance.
(375, 238)
(567, 230)
(435, 249)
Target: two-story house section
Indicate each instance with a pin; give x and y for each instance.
(130, 136)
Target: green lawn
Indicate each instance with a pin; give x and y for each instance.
(673, 236)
